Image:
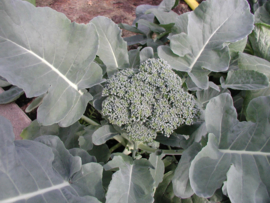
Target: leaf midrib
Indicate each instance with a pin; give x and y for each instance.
(70, 83)
(33, 194)
(206, 43)
(227, 151)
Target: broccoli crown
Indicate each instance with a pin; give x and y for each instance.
(147, 101)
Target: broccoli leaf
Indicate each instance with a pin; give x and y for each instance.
(181, 182)
(256, 4)
(132, 183)
(112, 48)
(134, 58)
(68, 135)
(260, 41)
(146, 53)
(44, 171)
(236, 151)
(158, 171)
(43, 52)
(209, 27)
(249, 62)
(103, 134)
(10, 95)
(245, 80)
(262, 14)
(35, 103)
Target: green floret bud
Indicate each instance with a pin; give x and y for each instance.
(147, 101)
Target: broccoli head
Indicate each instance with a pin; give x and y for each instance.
(147, 101)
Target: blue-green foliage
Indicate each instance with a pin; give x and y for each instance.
(148, 100)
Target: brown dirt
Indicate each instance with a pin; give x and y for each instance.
(120, 11)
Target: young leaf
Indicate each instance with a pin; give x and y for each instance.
(181, 182)
(112, 48)
(163, 16)
(140, 14)
(249, 62)
(236, 47)
(11, 95)
(136, 39)
(236, 151)
(175, 140)
(34, 104)
(104, 133)
(152, 26)
(32, 171)
(43, 52)
(164, 191)
(68, 135)
(4, 82)
(101, 152)
(158, 171)
(166, 5)
(212, 24)
(134, 58)
(35, 130)
(245, 80)
(260, 41)
(132, 183)
(129, 28)
(146, 53)
(85, 157)
(262, 15)
(203, 96)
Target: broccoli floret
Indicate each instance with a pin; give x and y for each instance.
(147, 101)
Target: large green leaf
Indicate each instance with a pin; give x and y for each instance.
(203, 96)
(10, 95)
(132, 183)
(181, 182)
(158, 171)
(43, 52)
(112, 48)
(236, 151)
(262, 15)
(245, 80)
(211, 25)
(255, 4)
(259, 40)
(44, 171)
(249, 62)
(68, 135)
(164, 192)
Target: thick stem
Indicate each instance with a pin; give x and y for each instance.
(166, 152)
(90, 121)
(115, 147)
(173, 155)
(134, 150)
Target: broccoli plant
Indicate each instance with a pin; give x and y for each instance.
(196, 119)
(148, 100)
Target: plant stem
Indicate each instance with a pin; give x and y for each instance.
(192, 4)
(115, 147)
(134, 150)
(166, 152)
(173, 155)
(90, 121)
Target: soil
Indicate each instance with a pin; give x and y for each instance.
(120, 11)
